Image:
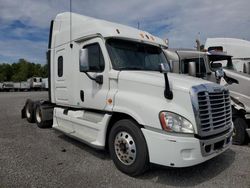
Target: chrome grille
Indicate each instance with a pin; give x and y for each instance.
(214, 111)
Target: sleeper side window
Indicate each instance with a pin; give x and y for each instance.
(200, 66)
(60, 66)
(95, 57)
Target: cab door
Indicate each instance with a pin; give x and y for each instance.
(91, 94)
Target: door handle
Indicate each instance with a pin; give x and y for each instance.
(82, 95)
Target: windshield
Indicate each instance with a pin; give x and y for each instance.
(226, 62)
(129, 55)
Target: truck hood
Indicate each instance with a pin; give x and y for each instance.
(236, 74)
(141, 95)
(176, 81)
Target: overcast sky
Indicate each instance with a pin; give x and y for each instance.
(24, 24)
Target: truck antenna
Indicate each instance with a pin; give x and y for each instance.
(70, 29)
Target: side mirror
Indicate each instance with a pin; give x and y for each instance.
(84, 66)
(192, 68)
(165, 68)
(246, 68)
(84, 60)
(219, 73)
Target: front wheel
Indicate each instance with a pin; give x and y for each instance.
(127, 147)
(240, 135)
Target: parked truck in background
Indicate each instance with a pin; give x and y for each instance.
(239, 50)
(207, 65)
(109, 87)
(35, 83)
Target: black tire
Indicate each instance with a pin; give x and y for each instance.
(41, 123)
(138, 158)
(240, 135)
(29, 111)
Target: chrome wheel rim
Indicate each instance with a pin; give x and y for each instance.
(38, 115)
(125, 148)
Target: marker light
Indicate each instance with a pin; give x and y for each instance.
(166, 42)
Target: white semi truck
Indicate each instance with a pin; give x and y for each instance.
(109, 87)
(239, 50)
(35, 83)
(208, 66)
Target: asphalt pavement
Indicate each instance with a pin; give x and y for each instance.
(34, 157)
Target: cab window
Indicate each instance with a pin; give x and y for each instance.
(95, 58)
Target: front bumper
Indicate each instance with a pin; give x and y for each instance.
(180, 151)
(37, 85)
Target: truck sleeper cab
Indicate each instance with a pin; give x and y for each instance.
(106, 90)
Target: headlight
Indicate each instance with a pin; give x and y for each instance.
(172, 122)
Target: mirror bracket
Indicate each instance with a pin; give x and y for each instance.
(98, 79)
(168, 94)
(219, 73)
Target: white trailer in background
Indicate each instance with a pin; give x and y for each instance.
(1, 86)
(24, 86)
(109, 87)
(21, 86)
(238, 48)
(17, 86)
(45, 83)
(8, 86)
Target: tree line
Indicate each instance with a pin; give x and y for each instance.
(22, 70)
